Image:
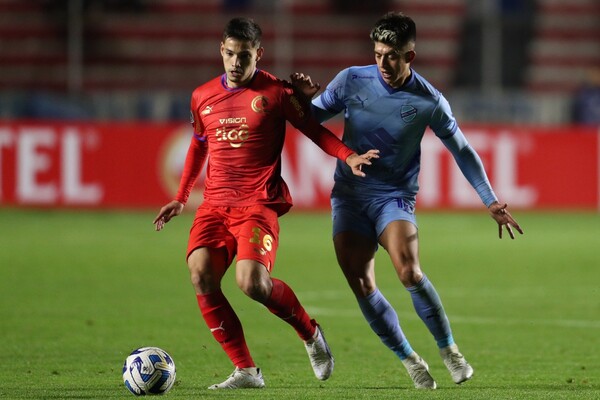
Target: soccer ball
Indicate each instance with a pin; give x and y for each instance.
(149, 370)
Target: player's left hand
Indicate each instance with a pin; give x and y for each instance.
(355, 161)
(304, 84)
(504, 219)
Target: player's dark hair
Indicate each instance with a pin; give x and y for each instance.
(394, 29)
(244, 29)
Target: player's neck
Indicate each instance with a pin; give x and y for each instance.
(236, 85)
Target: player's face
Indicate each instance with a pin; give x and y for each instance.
(393, 64)
(239, 60)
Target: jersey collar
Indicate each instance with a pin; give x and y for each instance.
(408, 83)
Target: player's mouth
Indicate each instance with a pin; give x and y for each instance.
(236, 73)
(386, 75)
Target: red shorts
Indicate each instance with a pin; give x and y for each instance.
(251, 233)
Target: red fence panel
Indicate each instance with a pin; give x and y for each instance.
(92, 164)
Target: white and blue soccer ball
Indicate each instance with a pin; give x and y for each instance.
(148, 371)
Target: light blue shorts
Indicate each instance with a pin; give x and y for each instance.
(369, 216)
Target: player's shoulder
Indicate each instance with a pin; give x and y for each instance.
(264, 78)
(208, 88)
(422, 86)
(359, 73)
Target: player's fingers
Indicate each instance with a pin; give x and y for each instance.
(158, 217)
(500, 231)
(510, 232)
(515, 225)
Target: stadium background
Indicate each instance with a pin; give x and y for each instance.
(93, 130)
(95, 89)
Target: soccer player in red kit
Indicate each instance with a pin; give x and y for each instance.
(239, 121)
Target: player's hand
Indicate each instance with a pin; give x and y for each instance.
(355, 161)
(304, 84)
(165, 214)
(504, 219)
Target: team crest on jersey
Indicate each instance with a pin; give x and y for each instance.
(408, 113)
(259, 104)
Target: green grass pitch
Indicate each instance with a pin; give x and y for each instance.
(79, 290)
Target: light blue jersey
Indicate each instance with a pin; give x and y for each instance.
(393, 121)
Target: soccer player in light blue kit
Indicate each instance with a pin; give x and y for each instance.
(388, 106)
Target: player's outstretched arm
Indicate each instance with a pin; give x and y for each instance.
(170, 210)
(503, 218)
(356, 161)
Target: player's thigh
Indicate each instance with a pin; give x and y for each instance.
(207, 266)
(354, 236)
(401, 240)
(256, 230)
(209, 229)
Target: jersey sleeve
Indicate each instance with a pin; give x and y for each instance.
(470, 165)
(445, 127)
(442, 121)
(298, 112)
(330, 102)
(196, 154)
(194, 161)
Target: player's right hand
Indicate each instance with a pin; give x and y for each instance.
(304, 84)
(165, 214)
(355, 161)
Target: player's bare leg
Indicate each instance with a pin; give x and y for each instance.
(400, 238)
(355, 255)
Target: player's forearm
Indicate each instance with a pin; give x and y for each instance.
(472, 168)
(194, 161)
(330, 143)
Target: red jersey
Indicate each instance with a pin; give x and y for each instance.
(243, 130)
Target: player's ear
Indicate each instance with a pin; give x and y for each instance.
(409, 56)
(222, 48)
(259, 53)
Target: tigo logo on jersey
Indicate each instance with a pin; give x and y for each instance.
(408, 113)
(235, 136)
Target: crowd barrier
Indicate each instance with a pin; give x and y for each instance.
(138, 165)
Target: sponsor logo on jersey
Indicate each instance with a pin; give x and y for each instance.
(207, 110)
(235, 136)
(232, 120)
(297, 106)
(259, 104)
(408, 113)
(354, 76)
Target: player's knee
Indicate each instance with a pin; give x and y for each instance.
(202, 281)
(256, 289)
(410, 275)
